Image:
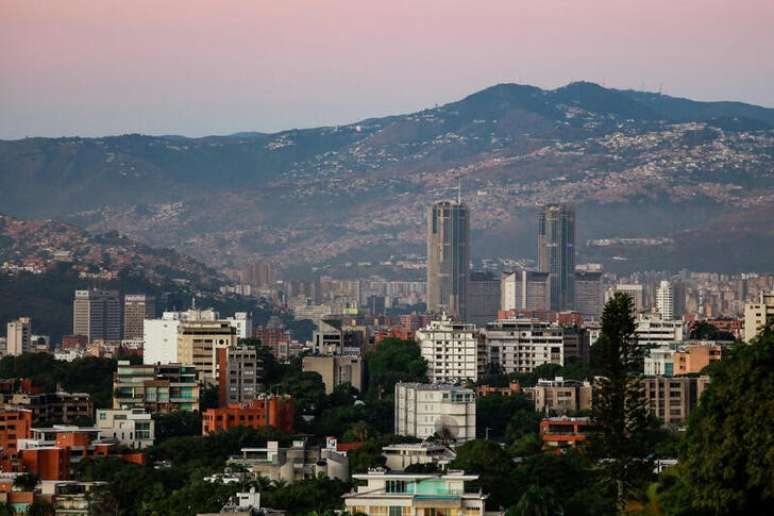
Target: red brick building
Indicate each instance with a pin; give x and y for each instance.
(15, 424)
(563, 432)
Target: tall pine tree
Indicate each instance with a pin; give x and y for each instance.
(619, 415)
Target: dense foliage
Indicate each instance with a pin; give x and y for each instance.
(727, 461)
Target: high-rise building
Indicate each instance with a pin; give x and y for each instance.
(588, 293)
(240, 374)
(137, 308)
(97, 314)
(665, 300)
(454, 351)
(19, 337)
(556, 253)
(483, 298)
(524, 290)
(448, 258)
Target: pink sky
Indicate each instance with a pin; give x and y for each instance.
(198, 67)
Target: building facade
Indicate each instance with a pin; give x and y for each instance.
(19, 337)
(483, 301)
(240, 374)
(137, 308)
(524, 290)
(276, 411)
(158, 389)
(134, 428)
(448, 258)
(455, 352)
(520, 345)
(673, 399)
(653, 331)
(336, 370)
(97, 314)
(561, 397)
(556, 253)
(401, 494)
(758, 315)
(588, 293)
(423, 410)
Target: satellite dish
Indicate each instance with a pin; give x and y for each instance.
(446, 427)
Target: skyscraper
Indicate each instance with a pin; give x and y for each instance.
(97, 314)
(556, 253)
(448, 257)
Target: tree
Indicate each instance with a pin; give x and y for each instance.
(619, 415)
(537, 501)
(393, 361)
(727, 463)
(494, 467)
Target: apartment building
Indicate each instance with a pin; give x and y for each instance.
(455, 351)
(299, 461)
(134, 428)
(198, 342)
(400, 456)
(757, 315)
(564, 432)
(560, 396)
(588, 293)
(483, 298)
(521, 345)
(240, 374)
(404, 494)
(336, 370)
(678, 359)
(59, 407)
(19, 337)
(673, 399)
(158, 389)
(651, 330)
(422, 410)
(276, 411)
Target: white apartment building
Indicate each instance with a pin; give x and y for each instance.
(243, 323)
(132, 427)
(402, 494)
(19, 337)
(454, 351)
(424, 409)
(160, 339)
(665, 300)
(758, 315)
(652, 330)
(659, 362)
(520, 345)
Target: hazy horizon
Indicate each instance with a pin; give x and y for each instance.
(195, 68)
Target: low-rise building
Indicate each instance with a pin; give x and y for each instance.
(672, 400)
(560, 396)
(53, 407)
(159, 389)
(134, 428)
(384, 493)
(276, 411)
(681, 358)
(521, 345)
(423, 410)
(400, 456)
(563, 432)
(300, 461)
(336, 370)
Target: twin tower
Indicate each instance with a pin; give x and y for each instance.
(448, 256)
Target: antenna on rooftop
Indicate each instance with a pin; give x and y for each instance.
(459, 190)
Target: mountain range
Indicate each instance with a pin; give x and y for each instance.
(673, 183)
